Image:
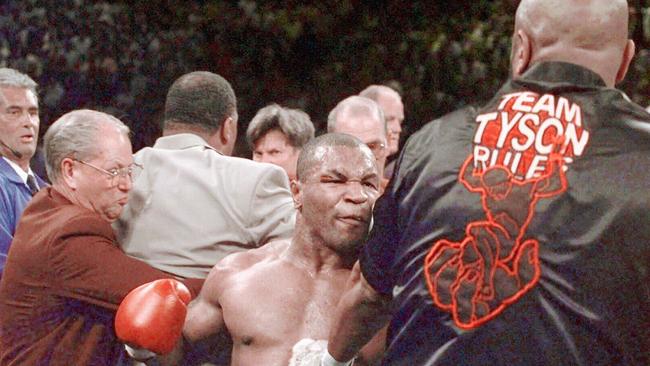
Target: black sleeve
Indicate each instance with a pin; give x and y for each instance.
(377, 255)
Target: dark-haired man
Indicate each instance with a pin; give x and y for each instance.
(277, 134)
(277, 302)
(193, 204)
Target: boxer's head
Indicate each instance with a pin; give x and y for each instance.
(337, 185)
(591, 33)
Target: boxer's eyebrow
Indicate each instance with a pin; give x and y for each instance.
(335, 173)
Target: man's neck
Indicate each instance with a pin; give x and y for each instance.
(18, 165)
(311, 252)
(176, 128)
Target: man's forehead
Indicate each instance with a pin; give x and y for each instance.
(112, 144)
(273, 138)
(12, 94)
(361, 126)
(345, 159)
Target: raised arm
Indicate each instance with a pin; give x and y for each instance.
(360, 314)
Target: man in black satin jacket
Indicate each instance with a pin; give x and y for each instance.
(518, 233)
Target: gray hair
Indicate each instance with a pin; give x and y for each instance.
(293, 123)
(355, 105)
(11, 77)
(312, 153)
(75, 135)
(201, 99)
(375, 91)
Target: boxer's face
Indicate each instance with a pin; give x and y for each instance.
(338, 195)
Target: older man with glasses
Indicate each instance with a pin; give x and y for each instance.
(65, 274)
(362, 118)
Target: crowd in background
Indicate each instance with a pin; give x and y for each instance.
(119, 226)
(123, 56)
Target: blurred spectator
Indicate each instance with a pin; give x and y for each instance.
(19, 123)
(277, 134)
(361, 117)
(391, 104)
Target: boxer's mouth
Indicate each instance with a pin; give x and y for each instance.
(353, 219)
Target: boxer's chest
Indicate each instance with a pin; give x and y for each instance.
(274, 310)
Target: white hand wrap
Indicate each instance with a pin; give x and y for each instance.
(309, 352)
(139, 354)
(328, 360)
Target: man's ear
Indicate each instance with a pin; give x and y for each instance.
(628, 55)
(228, 131)
(296, 193)
(522, 53)
(224, 138)
(68, 173)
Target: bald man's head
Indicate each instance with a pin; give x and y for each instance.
(591, 33)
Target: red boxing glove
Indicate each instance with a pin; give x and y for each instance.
(152, 315)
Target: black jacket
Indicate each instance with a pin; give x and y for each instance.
(519, 233)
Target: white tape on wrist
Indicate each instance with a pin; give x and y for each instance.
(328, 360)
(139, 354)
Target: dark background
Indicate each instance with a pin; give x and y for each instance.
(122, 56)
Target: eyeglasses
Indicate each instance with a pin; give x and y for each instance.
(115, 173)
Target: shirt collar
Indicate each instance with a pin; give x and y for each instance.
(181, 141)
(21, 173)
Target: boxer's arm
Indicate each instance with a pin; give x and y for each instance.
(204, 314)
(203, 320)
(360, 314)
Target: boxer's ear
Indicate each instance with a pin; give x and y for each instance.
(296, 193)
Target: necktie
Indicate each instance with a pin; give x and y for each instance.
(31, 183)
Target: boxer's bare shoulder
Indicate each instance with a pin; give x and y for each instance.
(240, 261)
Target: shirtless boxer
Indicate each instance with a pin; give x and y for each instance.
(271, 298)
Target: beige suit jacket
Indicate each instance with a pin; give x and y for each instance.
(191, 206)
